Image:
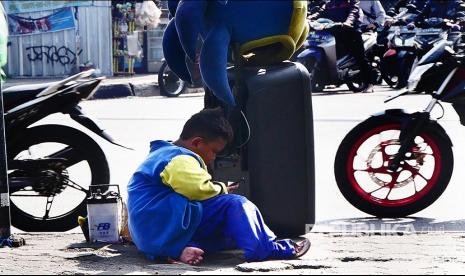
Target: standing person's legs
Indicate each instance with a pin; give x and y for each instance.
(233, 221)
(357, 49)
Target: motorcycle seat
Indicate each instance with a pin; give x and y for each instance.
(17, 95)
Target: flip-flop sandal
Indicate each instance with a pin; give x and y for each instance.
(302, 248)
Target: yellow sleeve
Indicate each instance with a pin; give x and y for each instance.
(186, 176)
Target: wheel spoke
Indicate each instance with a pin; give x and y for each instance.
(390, 191)
(76, 186)
(415, 186)
(69, 154)
(384, 154)
(48, 207)
(422, 176)
(380, 188)
(391, 184)
(423, 146)
(414, 172)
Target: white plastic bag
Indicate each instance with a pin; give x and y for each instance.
(147, 14)
(134, 47)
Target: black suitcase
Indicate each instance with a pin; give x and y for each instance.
(278, 160)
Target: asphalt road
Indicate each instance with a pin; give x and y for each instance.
(134, 122)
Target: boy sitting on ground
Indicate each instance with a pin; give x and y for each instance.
(177, 212)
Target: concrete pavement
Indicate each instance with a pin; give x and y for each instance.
(331, 253)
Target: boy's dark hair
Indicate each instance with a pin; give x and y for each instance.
(210, 124)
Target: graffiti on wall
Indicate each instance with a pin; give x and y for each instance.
(52, 54)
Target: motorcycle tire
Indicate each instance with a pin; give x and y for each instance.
(170, 84)
(405, 67)
(312, 67)
(84, 146)
(389, 77)
(352, 182)
(391, 80)
(357, 87)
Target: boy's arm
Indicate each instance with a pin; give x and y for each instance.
(185, 176)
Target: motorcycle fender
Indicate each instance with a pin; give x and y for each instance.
(403, 115)
(390, 53)
(77, 115)
(310, 53)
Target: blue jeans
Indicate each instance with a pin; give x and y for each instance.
(232, 221)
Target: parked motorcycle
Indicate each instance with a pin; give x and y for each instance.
(408, 44)
(396, 62)
(171, 85)
(50, 167)
(395, 164)
(325, 65)
(398, 38)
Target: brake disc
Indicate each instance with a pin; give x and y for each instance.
(375, 175)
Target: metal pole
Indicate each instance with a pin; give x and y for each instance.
(5, 218)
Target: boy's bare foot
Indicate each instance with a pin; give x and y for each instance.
(191, 256)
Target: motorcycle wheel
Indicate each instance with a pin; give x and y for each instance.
(87, 165)
(312, 67)
(391, 80)
(357, 87)
(405, 67)
(389, 77)
(170, 84)
(363, 177)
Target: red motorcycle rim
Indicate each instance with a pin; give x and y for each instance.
(386, 202)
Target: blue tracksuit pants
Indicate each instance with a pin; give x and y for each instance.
(232, 221)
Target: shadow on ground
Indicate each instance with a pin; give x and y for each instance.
(124, 259)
